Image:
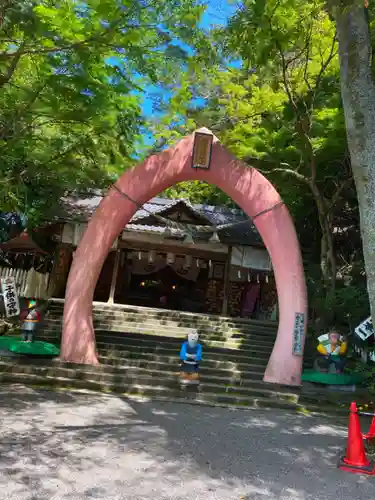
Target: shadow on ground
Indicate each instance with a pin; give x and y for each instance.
(75, 445)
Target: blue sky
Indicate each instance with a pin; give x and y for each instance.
(217, 13)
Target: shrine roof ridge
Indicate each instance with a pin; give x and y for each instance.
(233, 225)
(79, 207)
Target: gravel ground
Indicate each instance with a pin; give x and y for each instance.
(89, 446)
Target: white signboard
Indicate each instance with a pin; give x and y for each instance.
(365, 329)
(11, 303)
(298, 334)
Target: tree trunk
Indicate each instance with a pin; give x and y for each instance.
(358, 95)
(327, 250)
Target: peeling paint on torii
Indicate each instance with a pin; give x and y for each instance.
(248, 188)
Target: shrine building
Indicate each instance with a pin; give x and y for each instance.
(172, 255)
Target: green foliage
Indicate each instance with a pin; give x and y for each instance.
(199, 192)
(343, 308)
(71, 79)
(10, 226)
(280, 111)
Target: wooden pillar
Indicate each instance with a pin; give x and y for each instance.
(53, 273)
(60, 271)
(224, 310)
(114, 277)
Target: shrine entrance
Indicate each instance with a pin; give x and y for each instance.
(196, 157)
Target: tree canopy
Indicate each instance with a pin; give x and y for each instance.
(276, 104)
(71, 81)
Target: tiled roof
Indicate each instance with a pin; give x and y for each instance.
(241, 234)
(154, 208)
(80, 207)
(244, 233)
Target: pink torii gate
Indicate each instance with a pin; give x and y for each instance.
(248, 188)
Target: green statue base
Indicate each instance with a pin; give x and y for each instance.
(332, 378)
(36, 348)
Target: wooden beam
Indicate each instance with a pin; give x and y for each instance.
(114, 277)
(228, 264)
(177, 250)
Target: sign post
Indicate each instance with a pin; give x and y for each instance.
(11, 302)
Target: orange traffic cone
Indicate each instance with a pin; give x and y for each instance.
(371, 433)
(355, 460)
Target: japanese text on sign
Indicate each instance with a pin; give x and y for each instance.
(11, 302)
(365, 330)
(298, 334)
(202, 150)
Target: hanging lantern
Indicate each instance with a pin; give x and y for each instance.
(210, 263)
(239, 274)
(257, 278)
(170, 258)
(266, 278)
(167, 232)
(249, 276)
(151, 256)
(214, 238)
(188, 261)
(197, 262)
(189, 239)
(139, 255)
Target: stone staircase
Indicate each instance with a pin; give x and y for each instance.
(139, 356)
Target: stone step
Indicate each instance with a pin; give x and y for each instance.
(154, 392)
(124, 346)
(158, 363)
(221, 370)
(140, 342)
(184, 330)
(201, 397)
(113, 354)
(174, 343)
(116, 382)
(160, 370)
(58, 305)
(209, 357)
(196, 321)
(216, 354)
(158, 328)
(163, 361)
(125, 381)
(170, 331)
(168, 357)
